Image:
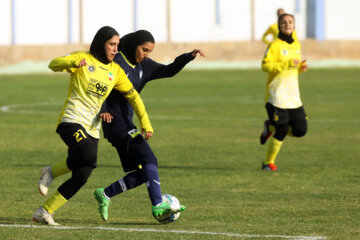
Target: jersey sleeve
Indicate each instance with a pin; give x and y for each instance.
(104, 108)
(129, 92)
(68, 63)
(270, 61)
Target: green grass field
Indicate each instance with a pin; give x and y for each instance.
(207, 125)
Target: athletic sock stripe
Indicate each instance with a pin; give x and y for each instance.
(122, 185)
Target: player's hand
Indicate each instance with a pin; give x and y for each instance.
(82, 63)
(106, 117)
(296, 62)
(303, 65)
(195, 52)
(146, 135)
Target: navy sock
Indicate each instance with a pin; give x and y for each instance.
(151, 175)
(128, 182)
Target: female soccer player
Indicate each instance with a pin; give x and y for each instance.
(135, 154)
(93, 76)
(286, 113)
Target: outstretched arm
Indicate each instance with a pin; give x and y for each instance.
(66, 63)
(163, 71)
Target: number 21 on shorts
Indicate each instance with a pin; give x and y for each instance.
(79, 135)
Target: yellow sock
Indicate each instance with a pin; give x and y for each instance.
(273, 150)
(54, 202)
(60, 168)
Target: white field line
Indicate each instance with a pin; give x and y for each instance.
(26, 109)
(165, 231)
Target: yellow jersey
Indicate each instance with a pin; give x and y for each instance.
(89, 87)
(282, 87)
(274, 31)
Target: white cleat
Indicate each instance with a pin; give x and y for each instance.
(45, 180)
(44, 217)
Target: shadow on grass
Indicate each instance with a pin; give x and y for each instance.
(17, 165)
(66, 221)
(175, 167)
(74, 222)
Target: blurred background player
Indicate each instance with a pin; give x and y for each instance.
(286, 113)
(135, 154)
(273, 30)
(93, 76)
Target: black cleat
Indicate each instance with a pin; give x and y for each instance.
(266, 134)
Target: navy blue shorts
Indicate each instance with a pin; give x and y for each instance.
(134, 151)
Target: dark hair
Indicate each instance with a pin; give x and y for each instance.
(131, 41)
(97, 47)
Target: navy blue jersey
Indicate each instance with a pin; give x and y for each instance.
(139, 75)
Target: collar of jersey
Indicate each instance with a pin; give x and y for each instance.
(127, 61)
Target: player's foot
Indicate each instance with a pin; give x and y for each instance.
(269, 167)
(103, 203)
(266, 134)
(44, 217)
(45, 180)
(159, 210)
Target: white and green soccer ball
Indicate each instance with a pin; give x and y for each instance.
(174, 205)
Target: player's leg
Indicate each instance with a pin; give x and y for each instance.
(141, 151)
(279, 118)
(298, 122)
(141, 154)
(48, 174)
(81, 159)
(128, 158)
(269, 129)
(136, 155)
(68, 189)
(129, 181)
(151, 176)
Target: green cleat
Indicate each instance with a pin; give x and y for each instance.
(182, 208)
(103, 203)
(159, 210)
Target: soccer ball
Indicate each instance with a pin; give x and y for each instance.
(174, 205)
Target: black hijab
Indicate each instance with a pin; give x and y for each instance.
(287, 38)
(131, 41)
(97, 47)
